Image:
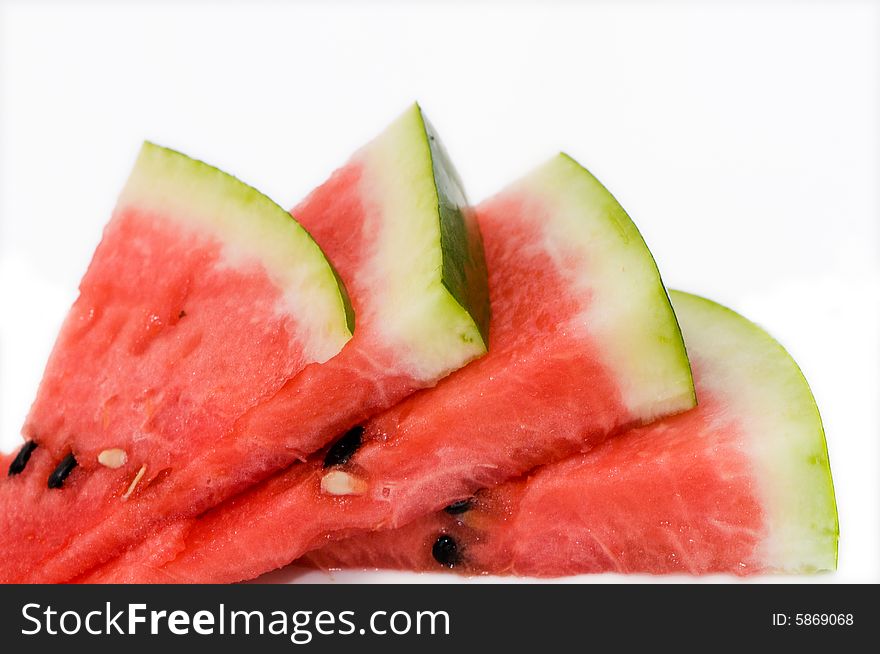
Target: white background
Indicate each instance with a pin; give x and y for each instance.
(742, 138)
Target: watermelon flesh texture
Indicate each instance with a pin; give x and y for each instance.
(739, 485)
(568, 274)
(304, 407)
(175, 257)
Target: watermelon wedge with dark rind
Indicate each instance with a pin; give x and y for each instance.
(377, 367)
(739, 485)
(392, 220)
(568, 272)
(421, 257)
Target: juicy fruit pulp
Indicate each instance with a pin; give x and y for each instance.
(354, 217)
(174, 258)
(740, 484)
(575, 296)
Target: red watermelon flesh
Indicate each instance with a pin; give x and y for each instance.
(175, 257)
(583, 343)
(739, 485)
(198, 450)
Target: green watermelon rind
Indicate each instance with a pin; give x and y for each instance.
(252, 228)
(791, 463)
(464, 263)
(432, 294)
(629, 315)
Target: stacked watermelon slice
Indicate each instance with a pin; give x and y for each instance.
(391, 378)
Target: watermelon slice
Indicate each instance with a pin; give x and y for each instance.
(181, 374)
(739, 485)
(583, 343)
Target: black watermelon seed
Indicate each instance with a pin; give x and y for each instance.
(461, 506)
(182, 314)
(445, 551)
(21, 459)
(62, 470)
(343, 449)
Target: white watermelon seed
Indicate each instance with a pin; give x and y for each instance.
(134, 482)
(337, 482)
(113, 458)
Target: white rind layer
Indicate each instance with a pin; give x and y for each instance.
(769, 398)
(415, 313)
(252, 230)
(602, 254)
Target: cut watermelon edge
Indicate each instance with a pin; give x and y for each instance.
(804, 524)
(740, 366)
(641, 338)
(251, 228)
(793, 469)
(434, 308)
